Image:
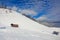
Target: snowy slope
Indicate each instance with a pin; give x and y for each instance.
(27, 30)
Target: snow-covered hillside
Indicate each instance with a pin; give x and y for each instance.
(27, 30)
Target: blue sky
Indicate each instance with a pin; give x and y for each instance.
(42, 10)
(40, 6)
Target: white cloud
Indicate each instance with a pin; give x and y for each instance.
(14, 8)
(42, 18)
(28, 12)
